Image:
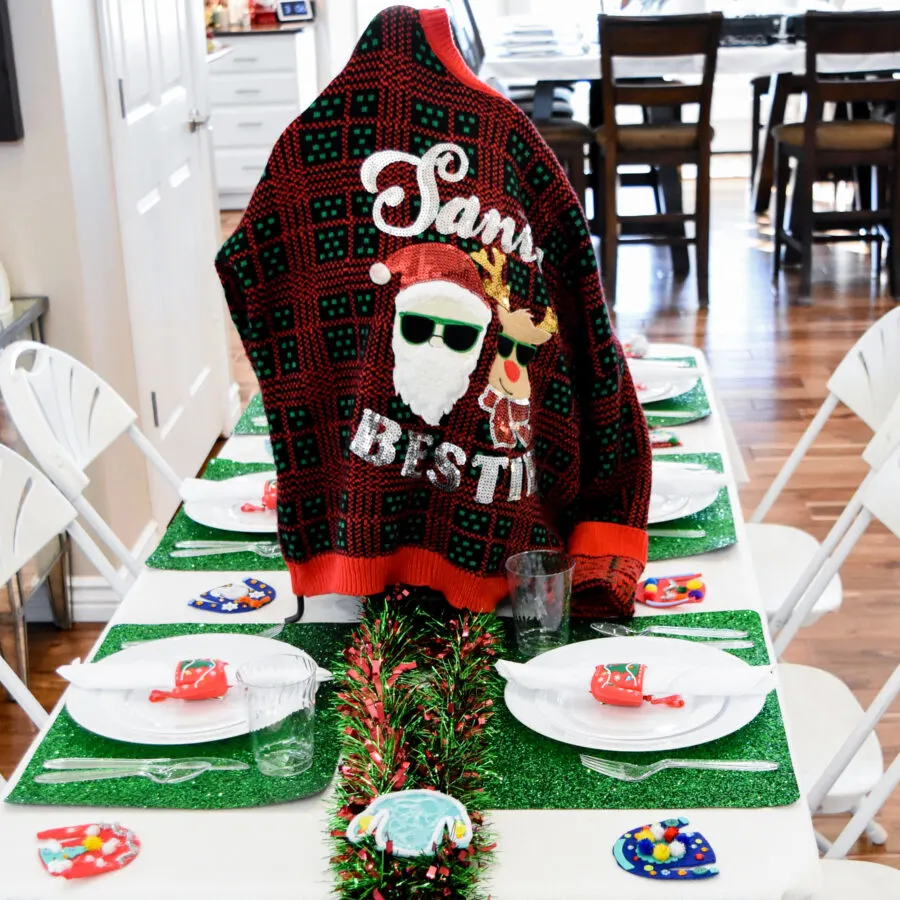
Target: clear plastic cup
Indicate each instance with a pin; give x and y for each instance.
(281, 705)
(540, 587)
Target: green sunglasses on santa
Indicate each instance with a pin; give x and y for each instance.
(418, 328)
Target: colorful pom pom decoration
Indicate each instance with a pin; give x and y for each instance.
(82, 851)
(672, 590)
(412, 823)
(676, 855)
(236, 597)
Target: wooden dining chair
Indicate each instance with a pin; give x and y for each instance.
(817, 145)
(673, 144)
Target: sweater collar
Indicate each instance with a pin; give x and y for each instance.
(436, 25)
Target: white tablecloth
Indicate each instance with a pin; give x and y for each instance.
(282, 851)
(749, 61)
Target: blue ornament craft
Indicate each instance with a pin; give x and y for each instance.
(237, 597)
(666, 851)
(412, 822)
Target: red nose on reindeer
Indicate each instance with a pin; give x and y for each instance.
(512, 371)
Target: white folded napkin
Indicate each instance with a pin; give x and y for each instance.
(138, 675)
(201, 489)
(659, 679)
(655, 370)
(672, 479)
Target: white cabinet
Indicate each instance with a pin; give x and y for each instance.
(255, 92)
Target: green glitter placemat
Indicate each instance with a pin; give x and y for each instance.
(530, 771)
(185, 529)
(694, 402)
(716, 520)
(212, 790)
(253, 411)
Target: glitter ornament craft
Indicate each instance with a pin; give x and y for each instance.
(666, 851)
(671, 590)
(412, 823)
(196, 679)
(236, 597)
(268, 501)
(82, 851)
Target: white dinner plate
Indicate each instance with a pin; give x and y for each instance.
(130, 716)
(229, 516)
(656, 389)
(667, 508)
(578, 719)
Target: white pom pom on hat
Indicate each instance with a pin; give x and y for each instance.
(380, 273)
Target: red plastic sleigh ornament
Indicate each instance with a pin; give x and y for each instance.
(81, 851)
(196, 679)
(621, 684)
(673, 590)
(269, 499)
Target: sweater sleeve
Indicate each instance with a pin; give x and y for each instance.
(606, 524)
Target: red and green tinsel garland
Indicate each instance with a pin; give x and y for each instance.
(415, 706)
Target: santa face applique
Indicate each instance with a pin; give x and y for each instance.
(441, 315)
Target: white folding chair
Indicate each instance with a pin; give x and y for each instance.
(844, 879)
(32, 513)
(867, 381)
(837, 755)
(67, 416)
(812, 584)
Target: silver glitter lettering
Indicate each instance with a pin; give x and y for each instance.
(515, 479)
(531, 474)
(490, 473)
(444, 458)
(375, 439)
(415, 453)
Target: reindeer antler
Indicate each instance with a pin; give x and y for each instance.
(549, 322)
(493, 286)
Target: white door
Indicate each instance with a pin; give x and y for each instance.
(154, 53)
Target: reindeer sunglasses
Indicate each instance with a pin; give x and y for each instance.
(525, 353)
(418, 328)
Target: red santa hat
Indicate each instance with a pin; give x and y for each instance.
(430, 270)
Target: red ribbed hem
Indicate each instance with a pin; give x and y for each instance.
(606, 539)
(333, 573)
(436, 25)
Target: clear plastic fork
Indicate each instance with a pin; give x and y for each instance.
(623, 771)
(265, 549)
(173, 773)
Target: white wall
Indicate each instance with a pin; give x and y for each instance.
(58, 224)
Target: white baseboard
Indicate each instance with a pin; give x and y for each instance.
(93, 600)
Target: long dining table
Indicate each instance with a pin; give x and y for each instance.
(283, 850)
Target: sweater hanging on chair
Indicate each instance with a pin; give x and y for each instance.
(416, 289)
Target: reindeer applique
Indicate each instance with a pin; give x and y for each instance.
(506, 398)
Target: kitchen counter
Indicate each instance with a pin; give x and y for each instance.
(278, 28)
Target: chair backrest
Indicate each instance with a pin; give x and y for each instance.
(843, 34)
(32, 512)
(866, 381)
(659, 36)
(65, 413)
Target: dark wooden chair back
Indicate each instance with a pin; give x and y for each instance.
(650, 36)
(836, 35)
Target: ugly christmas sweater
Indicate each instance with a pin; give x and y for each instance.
(415, 286)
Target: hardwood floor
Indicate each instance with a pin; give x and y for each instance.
(771, 360)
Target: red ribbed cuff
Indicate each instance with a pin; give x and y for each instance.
(606, 539)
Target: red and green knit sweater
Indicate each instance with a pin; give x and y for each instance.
(415, 286)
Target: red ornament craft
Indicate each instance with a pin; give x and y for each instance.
(672, 590)
(82, 851)
(268, 501)
(196, 679)
(621, 684)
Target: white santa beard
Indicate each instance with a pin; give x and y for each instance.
(430, 377)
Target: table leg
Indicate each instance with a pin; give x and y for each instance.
(779, 88)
